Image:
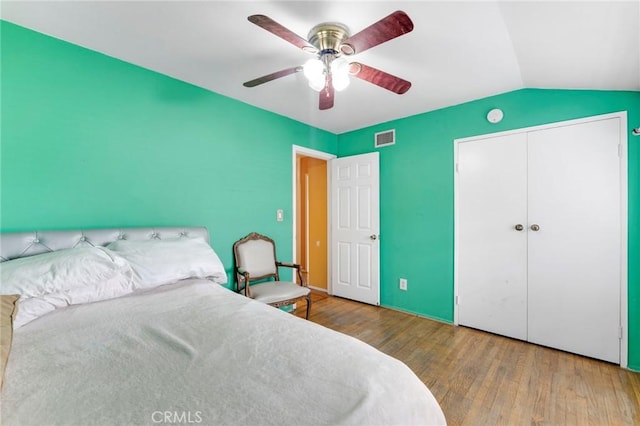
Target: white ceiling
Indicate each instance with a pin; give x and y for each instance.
(457, 52)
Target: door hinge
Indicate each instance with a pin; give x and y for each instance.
(456, 300)
(620, 150)
(620, 333)
(457, 168)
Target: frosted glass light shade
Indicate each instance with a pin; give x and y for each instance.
(340, 74)
(317, 85)
(314, 70)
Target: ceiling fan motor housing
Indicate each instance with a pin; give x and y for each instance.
(328, 37)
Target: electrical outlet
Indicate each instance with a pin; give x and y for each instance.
(403, 284)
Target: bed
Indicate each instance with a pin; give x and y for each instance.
(189, 351)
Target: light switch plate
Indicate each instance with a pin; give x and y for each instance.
(279, 215)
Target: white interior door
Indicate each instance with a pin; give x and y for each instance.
(355, 213)
(492, 253)
(574, 257)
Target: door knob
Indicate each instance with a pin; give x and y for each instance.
(535, 227)
(373, 237)
(519, 227)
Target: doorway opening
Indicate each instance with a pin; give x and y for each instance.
(311, 245)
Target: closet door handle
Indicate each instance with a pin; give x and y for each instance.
(519, 227)
(535, 227)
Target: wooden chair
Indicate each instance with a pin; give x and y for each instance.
(256, 261)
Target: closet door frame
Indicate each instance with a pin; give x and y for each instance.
(622, 147)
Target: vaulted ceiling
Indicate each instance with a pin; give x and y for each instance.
(457, 52)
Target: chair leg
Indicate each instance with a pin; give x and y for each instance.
(308, 306)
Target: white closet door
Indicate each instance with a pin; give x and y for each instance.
(574, 257)
(492, 254)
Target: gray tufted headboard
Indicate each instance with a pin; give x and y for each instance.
(14, 245)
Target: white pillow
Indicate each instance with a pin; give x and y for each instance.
(158, 262)
(64, 277)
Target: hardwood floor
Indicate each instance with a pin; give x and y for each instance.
(484, 379)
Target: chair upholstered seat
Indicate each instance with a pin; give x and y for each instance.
(277, 291)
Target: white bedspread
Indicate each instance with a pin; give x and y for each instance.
(197, 353)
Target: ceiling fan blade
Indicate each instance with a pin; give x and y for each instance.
(388, 28)
(326, 95)
(379, 78)
(282, 32)
(272, 76)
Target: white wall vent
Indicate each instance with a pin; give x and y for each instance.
(386, 138)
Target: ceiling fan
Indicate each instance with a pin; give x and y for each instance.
(330, 42)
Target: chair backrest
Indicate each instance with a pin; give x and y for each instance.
(256, 254)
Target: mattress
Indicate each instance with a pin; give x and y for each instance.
(195, 352)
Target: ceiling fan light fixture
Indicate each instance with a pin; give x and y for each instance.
(340, 74)
(317, 85)
(314, 71)
(329, 72)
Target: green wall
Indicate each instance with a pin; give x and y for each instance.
(91, 141)
(416, 190)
